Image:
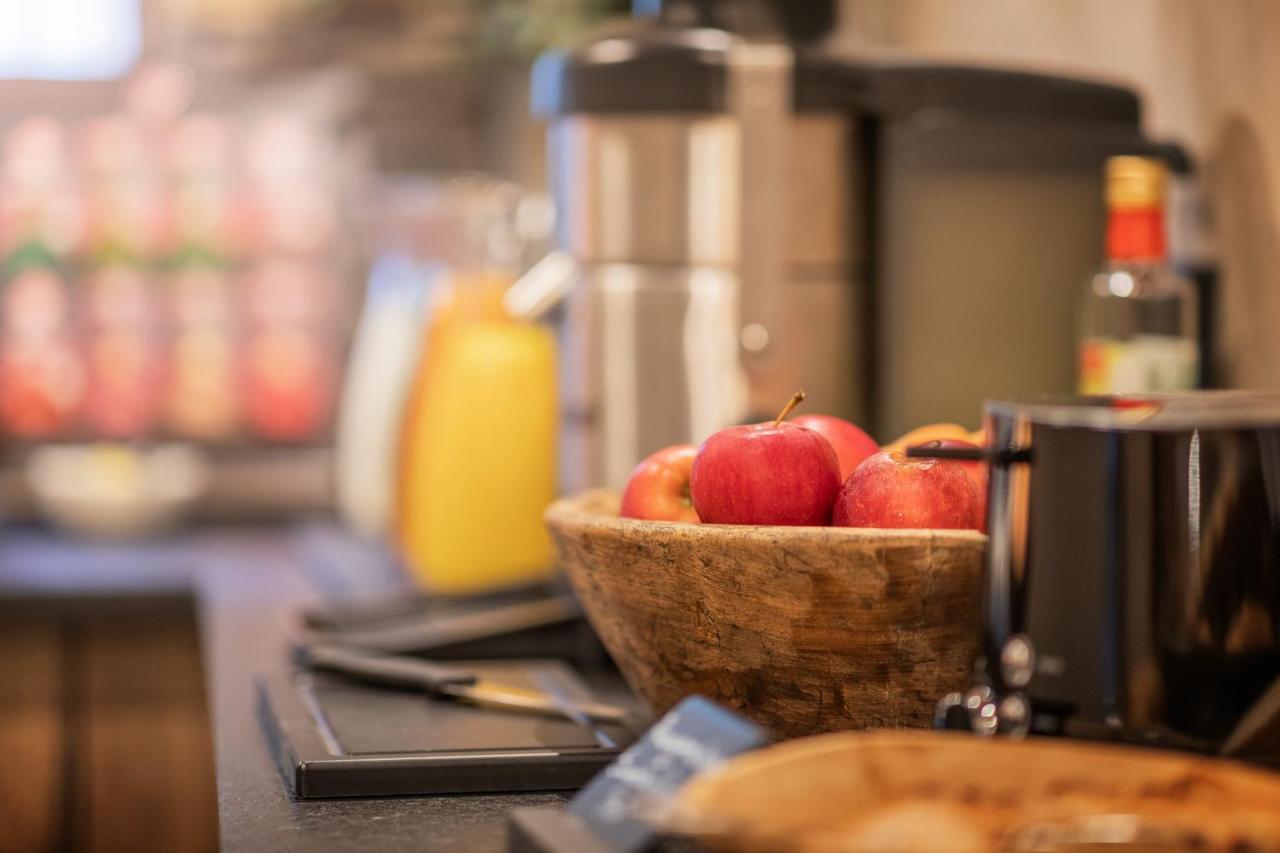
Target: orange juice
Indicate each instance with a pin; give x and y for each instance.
(478, 460)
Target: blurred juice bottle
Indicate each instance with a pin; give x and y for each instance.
(478, 445)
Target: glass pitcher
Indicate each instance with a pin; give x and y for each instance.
(478, 440)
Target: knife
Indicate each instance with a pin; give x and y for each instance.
(442, 681)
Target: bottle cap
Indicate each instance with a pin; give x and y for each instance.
(1135, 182)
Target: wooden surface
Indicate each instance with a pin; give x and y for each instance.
(802, 629)
(105, 734)
(248, 585)
(31, 736)
(937, 790)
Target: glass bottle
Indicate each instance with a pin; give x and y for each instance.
(1139, 319)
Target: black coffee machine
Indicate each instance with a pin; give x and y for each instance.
(749, 211)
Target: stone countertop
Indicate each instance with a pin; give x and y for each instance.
(246, 583)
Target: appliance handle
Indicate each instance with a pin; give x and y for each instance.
(1000, 591)
(543, 286)
(1002, 599)
(994, 455)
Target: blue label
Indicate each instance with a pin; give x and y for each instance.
(695, 735)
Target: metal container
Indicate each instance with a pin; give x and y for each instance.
(1133, 579)
(675, 327)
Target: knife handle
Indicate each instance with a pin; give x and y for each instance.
(388, 670)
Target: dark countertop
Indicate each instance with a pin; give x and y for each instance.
(245, 584)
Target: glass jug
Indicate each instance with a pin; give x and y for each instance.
(478, 441)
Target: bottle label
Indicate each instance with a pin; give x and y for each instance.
(1142, 364)
(1096, 359)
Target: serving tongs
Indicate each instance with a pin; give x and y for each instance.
(439, 680)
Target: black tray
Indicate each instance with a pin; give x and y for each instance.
(333, 738)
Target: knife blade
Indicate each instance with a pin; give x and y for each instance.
(496, 695)
(440, 680)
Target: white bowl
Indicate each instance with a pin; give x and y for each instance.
(116, 491)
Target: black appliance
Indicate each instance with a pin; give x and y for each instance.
(1133, 577)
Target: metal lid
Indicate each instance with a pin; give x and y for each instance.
(641, 66)
(1147, 412)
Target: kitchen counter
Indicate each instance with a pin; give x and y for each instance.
(245, 584)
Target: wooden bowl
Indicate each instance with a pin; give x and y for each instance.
(945, 790)
(803, 629)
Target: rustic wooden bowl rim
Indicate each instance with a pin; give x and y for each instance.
(880, 763)
(1042, 754)
(597, 508)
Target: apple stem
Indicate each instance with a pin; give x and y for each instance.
(796, 399)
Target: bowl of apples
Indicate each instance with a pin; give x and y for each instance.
(794, 570)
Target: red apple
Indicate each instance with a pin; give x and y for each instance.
(770, 473)
(977, 472)
(893, 490)
(658, 488)
(851, 444)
